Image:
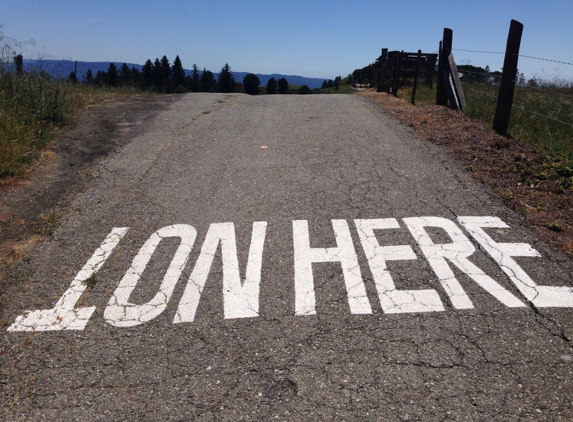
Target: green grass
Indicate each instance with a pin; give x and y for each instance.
(541, 116)
(342, 89)
(32, 109)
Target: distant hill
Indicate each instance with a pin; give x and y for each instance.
(63, 68)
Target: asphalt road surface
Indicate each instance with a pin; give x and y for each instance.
(288, 258)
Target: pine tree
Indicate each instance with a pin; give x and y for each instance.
(178, 74)
(251, 84)
(195, 79)
(272, 86)
(226, 81)
(157, 75)
(207, 81)
(166, 68)
(135, 75)
(112, 75)
(88, 77)
(147, 75)
(283, 86)
(125, 75)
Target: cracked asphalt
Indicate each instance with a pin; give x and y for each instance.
(287, 258)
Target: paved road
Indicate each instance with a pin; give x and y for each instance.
(290, 258)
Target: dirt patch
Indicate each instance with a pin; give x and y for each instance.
(513, 170)
(30, 208)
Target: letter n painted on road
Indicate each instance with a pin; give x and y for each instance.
(65, 316)
(240, 300)
(304, 256)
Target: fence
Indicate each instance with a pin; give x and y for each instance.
(395, 68)
(449, 88)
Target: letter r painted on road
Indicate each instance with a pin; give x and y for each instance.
(391, 299)
(304, 256)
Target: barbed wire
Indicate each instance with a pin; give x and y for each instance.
(519, 55)
(541, 115)
(545, 90)
(479, 73)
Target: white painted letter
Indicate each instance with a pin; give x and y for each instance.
(64, 316)
(457, 253)
(392, 300)
(241, 300)
(119, 311)
(304, 256)
(540, 296)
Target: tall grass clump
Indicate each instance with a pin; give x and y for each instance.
(32, 107)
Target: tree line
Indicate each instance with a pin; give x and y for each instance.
(164, 77)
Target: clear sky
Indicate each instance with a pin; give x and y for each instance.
(319, 39)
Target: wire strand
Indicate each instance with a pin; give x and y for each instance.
(519, 55)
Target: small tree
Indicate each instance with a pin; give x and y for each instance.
(251, 84)
(88, 77)
(147, 75)
(349, 80)
(195, 79)
(226, 81)
(112, 75)
(100, 78)
(178, 74)
(135, 75)
(303, 90)
(125, 75)
(207, 81)
(272, 86)
(282, 86)
(157, 75)
(72, 77)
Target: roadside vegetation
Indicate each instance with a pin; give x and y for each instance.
(542, 116)
(33, 107)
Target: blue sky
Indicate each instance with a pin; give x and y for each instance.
(308, 38)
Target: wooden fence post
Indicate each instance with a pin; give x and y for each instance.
(381, 82)
(19, 64)
(416, 77)
(508, 76)
(445, 50)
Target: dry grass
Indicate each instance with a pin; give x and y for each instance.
(33, 108)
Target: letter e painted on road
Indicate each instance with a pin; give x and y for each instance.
(456, 252)
(502, 253)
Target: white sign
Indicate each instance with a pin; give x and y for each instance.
(241, 299)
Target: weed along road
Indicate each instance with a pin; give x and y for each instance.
(287, 258)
